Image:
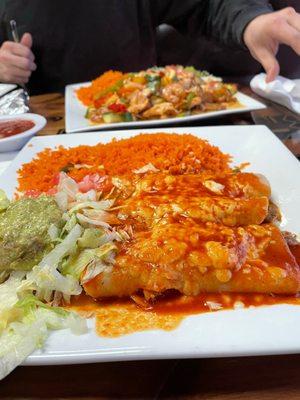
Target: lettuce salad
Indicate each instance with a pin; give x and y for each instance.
(82, 247)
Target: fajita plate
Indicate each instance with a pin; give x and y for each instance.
(254, 331)
(76, 121)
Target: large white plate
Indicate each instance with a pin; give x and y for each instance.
(264, 330)
(76, 122)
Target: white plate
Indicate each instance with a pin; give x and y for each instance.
(16, 142)
(263, 330)
(76, 122)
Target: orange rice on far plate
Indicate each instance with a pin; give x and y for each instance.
(175, 153)
(87, 94)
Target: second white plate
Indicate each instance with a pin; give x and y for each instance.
(76, 122)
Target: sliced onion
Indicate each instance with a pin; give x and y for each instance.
(84, 219)
(146, 168)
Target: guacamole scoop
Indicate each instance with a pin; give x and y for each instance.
(24, 238)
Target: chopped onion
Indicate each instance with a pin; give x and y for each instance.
(84, 219)
(146, 168)
(213, 306)
(214, 187)
(67, 185)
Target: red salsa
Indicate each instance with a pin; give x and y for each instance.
(14, 126)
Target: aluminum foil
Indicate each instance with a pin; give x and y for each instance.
(14, 102)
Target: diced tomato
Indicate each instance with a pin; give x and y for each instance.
(99, 102)
(55, 180)
(52, 191)
(32, 193)
(117, 108)
(93, 181)
(85, 185)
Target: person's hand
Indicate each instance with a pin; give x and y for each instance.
(17, 60)
(265, 33)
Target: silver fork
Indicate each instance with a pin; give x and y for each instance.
(16, 38)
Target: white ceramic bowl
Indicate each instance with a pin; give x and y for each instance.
(16, 142)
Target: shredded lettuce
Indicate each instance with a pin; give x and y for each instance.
(4, 275)
(47, 279)
(90, 262)
(62, 249)
(61, 199)
(9, 297)
(92, 238)
(70, 224)
(83, 246)
(4, 202)
(53, 232)
(31, 328)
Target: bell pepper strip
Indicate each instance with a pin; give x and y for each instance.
(117, 108)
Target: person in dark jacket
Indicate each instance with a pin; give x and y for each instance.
(232, 63)
(65, 41)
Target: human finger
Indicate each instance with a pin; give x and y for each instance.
(20, 62)
(292, 17)
(16, 75)
(18, 49)
(26, 40)
(269, 63)
(288, 35)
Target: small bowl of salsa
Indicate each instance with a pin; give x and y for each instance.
(16, 130)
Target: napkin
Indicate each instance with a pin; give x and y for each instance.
(282, 90)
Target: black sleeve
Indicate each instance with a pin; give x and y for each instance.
(3, 22)
(224, 20)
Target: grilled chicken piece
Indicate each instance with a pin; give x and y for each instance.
(196, 101)
(195, 258)
(174, 93)
(218, 92)
(139, 101)
(161, 110)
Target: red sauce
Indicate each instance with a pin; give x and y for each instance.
(13, 127)
(295, 250)
(179, 304)
(117, 317)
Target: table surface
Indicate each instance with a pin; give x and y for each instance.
(247, 378)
